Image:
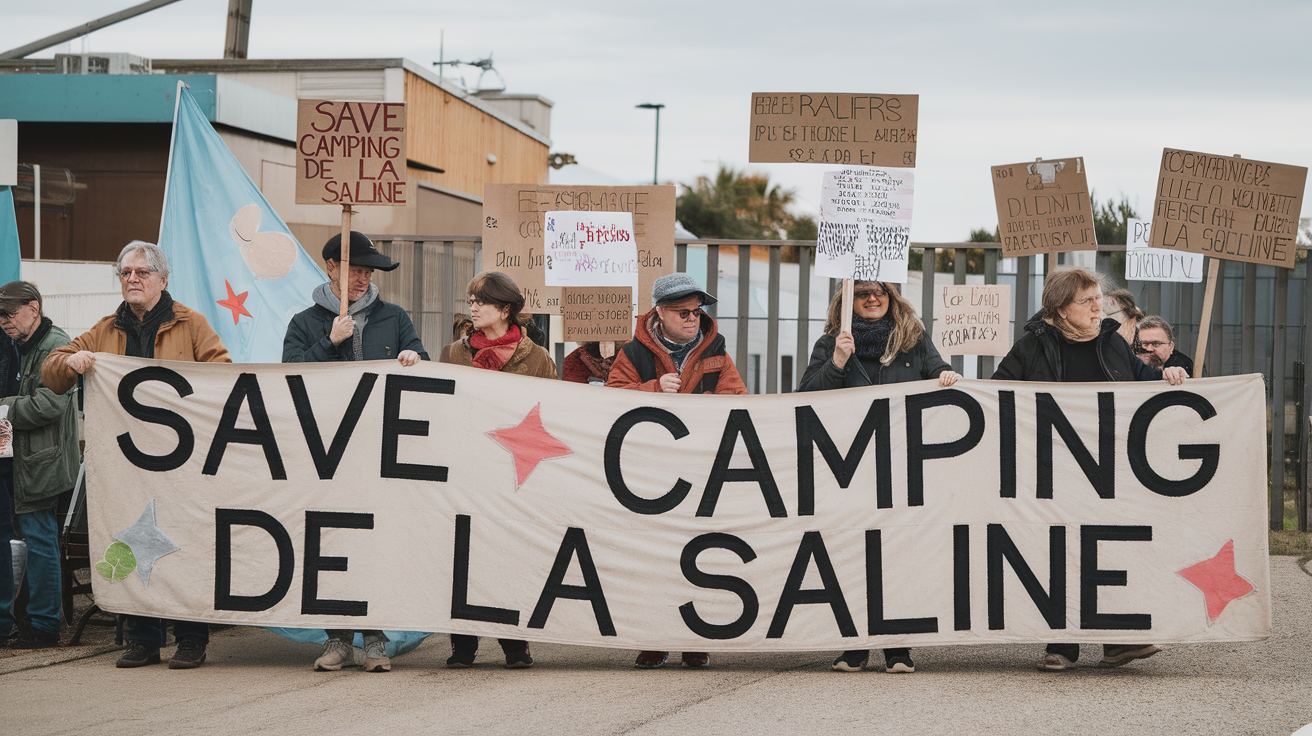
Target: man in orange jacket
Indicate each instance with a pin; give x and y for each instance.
(675, 347)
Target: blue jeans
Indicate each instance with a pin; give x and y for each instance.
(149, 632)
(6, 562)
(40, 530)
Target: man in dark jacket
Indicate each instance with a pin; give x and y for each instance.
(1158, 343)
(1037, 356)
(371, 330)
(44, 463)
(319, 335)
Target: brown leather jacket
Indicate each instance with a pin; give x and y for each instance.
(623, 374)
(528, 359)
(185, 337)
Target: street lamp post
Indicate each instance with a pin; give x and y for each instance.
(657, 158)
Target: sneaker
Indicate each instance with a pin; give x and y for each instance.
(696, 660)
(519, 659)
(189, 656)
(1055, 662)
(138, 655)
(30, 637)
(461, 659)
(853, 660)
(651, 660)
(336, 655)
(900, 664)
(1115, 655)
(375, 656)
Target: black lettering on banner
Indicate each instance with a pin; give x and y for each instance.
(738, 425)
(1091, 578)
(1137, 445)
(1052, 604)
(961, 577)
(394, 426)
(326, 462)
(1007, 444)
(918, 451)
(1101, 472)
(739, 587)
(461, 608)
(812, 435)
(875, 621)
(574, 543)
(315, 563)
(224, 600)
(615, 475)
(812, 547)
(155, 415)
(246, 390)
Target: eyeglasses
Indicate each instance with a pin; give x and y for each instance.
(1153, 344)
(141, 273)
(865, 294)
(685, 314)
(476, 302)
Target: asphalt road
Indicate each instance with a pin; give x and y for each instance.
(258, 683)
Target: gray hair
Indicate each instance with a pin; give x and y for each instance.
(154, 257)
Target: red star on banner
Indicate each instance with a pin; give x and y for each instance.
(234, 302)
(530, 444)
(1217, 578)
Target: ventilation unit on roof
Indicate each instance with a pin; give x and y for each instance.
(116, 63)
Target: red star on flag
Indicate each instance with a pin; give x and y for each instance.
(1217, 578)
(234, 302)
(530, 444)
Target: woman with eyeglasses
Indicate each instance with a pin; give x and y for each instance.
(1068, 340)
(887, 344)
(496, 342)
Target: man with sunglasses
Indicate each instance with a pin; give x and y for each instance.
(676, 349)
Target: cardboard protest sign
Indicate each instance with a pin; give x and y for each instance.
(1143, 263)
(598, 313)
(973, 320)
(1043, 207)
(470, 501)
(590, 249)
(865, 224)
(1228, 207)
(513, 228)
(350, 153)
(826, 128)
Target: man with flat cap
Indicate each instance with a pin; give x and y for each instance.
(371, 330)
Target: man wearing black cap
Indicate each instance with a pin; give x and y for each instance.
(371, 330)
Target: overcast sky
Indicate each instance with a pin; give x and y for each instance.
(999, 82)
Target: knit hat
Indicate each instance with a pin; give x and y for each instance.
(675, 286)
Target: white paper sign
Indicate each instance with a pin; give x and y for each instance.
(865, 224)
(1157, 264)
(590, 249)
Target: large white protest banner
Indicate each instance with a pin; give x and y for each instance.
(442, 498)
(1143, 263)
(865, 224)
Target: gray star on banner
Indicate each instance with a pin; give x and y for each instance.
(148, 542)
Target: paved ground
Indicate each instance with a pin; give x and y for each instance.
(257, 683)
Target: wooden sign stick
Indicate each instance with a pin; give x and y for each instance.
(845, 325)
(1205, 321)
(344, 261)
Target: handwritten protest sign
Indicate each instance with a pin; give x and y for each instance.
(1228, 207)
(1043, 207)
(590, 249)
(973, 320)
(509, 506)
(350, 153)
(514, 218)
(846, 129)
(865, 224)
(598, 313)
(1143, 263)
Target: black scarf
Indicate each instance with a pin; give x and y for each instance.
(141, 333)
(678, 352)
(871, 336)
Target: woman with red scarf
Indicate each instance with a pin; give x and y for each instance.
(497, 343)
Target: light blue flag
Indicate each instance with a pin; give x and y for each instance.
(231, 257)
(10, 264)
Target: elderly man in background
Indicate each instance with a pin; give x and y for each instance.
(148, 324)
(1157, 345)
(44, 463)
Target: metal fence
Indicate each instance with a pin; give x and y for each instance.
(1258, 325)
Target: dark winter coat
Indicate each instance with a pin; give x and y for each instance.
(1036, 356)
(387, 332)
(921, 362)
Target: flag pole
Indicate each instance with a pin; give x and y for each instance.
(168, 170)
(345, 259)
